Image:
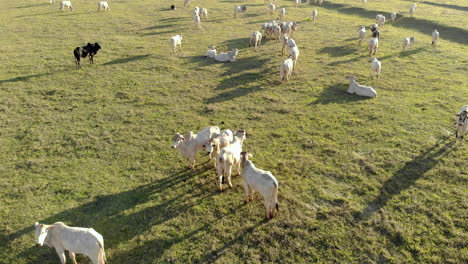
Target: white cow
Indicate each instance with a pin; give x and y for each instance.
(189, 145)
(282, 13)
(360, 90)
(204, 13)
(362, 34)
(255, 39)
(376, 67)
(229, 56)
(211, 53)
(66, 4)
(239, 10)
(393, 16)
(218, 142)
(103, 5)
(298, 2)
(407, 43)
(314, 14)
(229, 157)
(435, 37)
(373, 46)
(284, 42)
(51, 1)
(272, 8)
(261, 181)
(462, 122)
(293, 51)
(412, 9)
(76, 240)
(286, 69)
(176, 43)
(380, 20)
(196, 20)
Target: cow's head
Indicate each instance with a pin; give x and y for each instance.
(41, 233)
(96, 47)
(241, 134)
(211, 145)
(178, 138)
(462, 117)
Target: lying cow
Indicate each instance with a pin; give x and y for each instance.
(83, 51)
(79, 240)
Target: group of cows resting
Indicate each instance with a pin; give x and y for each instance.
(223, 147)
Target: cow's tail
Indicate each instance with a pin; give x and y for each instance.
(102, 254)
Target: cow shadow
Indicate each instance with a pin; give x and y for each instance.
(336, 94)
(406, 176)
(35, 5)
(126, 60)
(159, 27)
(115, 217)
(239, 43)
(233, 93)
(454, 34)
(25, 78)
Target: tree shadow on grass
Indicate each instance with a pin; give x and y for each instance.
(336, 94)
(339, 51)
(454, 34)
(456, 7)
(126, 60)
(110, 215)
(405, 177)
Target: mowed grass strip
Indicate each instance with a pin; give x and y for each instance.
(361, 181)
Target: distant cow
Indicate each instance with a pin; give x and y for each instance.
(83, 51)
(103, 5)
(66, 4)
(173, 7)
(79, 240)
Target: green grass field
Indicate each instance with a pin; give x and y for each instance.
(378, 180)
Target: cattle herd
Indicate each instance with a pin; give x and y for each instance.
(225, 147)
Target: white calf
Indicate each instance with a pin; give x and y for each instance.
(435, 37)
(360, 90)
(286, 69)
(407, 43)
(261, 181)
(229, 157)
(229, 56)
(373, 46)
(66, 4)
(211, 53)
(272, 8)
(375, 68)
(314, 14)
(78, 240)
(204, 13)
(393, 16)
(362, 34)
(176, 43)
(218, 142)
(462, 122)
(255, 39)
(189, 146)
(103, 5)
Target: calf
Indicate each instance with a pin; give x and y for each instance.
(66, 4)
(79, 240)
(261, 181)
(83, 51)
(229, 157)
(189, 146)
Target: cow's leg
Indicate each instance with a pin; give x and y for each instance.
(229, 173)
(267, 206)
(251, 194)
(61, 254)
(72, 257)
(247, 191)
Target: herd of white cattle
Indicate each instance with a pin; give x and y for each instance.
(224, 147)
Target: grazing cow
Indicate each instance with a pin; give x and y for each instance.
(176, 43)
(66, 4)
(76, 240)
(239, 10)
(103, 5)
(286, 69)
(462, 122)
(229, 157)
(189, 145)
(261, 181)
(83, 51)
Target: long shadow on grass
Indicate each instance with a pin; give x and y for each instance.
(24, 78)
(339, 51)
(231, 94)
(456, 7)
(35, 5)
(358, 58)
(409, 174)
(336, 94)
(122, 216)
(454, 34)
(126, 60)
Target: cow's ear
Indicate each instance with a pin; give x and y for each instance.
(36, 224)
(96, 43)
(89, 44)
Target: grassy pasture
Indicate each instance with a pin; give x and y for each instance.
(361, 181)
